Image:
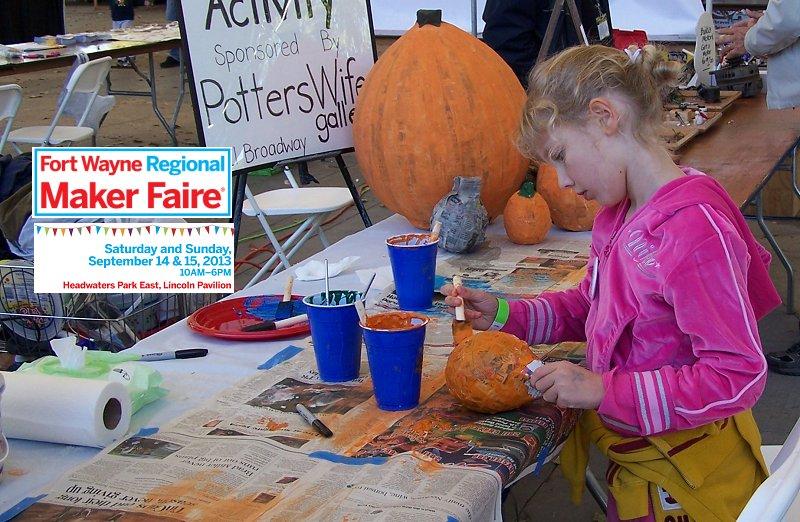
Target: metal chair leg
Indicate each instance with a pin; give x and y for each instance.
(787, 266)
(795, 187)
(596, 490)
(280, 249)
(322, 237)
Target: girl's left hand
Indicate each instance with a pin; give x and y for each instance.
(569, 385)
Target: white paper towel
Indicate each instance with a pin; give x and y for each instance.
(65, 410)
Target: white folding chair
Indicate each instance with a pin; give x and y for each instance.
(87, 78)
(10, 98)
(776, 499)
(315, 202)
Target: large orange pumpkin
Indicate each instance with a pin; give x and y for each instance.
(438, 104)
(568, 210)
(486, 372)
(526, 217)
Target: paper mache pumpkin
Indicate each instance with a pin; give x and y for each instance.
(527, 216)
(568, 210)
(486, 372)
(439, 103)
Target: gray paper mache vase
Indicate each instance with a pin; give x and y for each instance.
(463, 216)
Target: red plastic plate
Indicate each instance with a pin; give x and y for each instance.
(225, 320)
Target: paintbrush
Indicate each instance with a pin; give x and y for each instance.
(276, 325)
(362, 313)
(437, 230)
(286, 307)
(433, 237)
(369, 285)
(327, 285)
(462, 329)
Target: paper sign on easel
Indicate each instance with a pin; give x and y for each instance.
(705, 50)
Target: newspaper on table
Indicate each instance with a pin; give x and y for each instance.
(247, 455)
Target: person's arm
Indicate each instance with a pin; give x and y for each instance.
(552, 317)
(708, 292)
(776, 30)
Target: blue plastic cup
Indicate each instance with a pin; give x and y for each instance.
(394, 354)
(336, 334)
(413, 261)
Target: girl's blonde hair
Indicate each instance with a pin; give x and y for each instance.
(560, 89)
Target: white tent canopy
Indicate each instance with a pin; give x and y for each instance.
(673, 20)
(665, 21)
(393, 17)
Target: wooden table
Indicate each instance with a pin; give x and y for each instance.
(743, 151)
(114, 49)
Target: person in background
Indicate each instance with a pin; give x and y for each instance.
(173, 58)
(515, 30)
(775, 35)
(121, 13)
(122, 18)
(669, 306)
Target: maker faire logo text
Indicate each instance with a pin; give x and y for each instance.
(140, 182)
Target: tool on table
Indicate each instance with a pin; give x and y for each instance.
(532, 367)
(276, 325)
(313, 420)
(529, 369)
(327, 285)
(286, 306)
(190, 353)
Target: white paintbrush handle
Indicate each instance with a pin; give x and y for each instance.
(460, 308)
(287, 291)
(437, 229)
(297, 319)
(362, 313)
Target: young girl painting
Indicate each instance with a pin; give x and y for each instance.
(674, 287)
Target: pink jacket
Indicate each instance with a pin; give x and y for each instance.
(671, 323)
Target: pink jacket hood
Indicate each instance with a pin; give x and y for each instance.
(697, 188)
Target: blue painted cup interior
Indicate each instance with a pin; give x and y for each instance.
(337, 298)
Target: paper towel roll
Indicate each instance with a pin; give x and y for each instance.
(66, 410)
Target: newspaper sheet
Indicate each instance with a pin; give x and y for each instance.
(246, 454)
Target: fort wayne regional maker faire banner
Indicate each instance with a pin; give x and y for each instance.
(277, 79)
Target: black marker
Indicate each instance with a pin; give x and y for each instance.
(313, 420)
(177, 354)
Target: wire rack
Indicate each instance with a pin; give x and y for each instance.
(110, 322)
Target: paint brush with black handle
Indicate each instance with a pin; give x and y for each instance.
(276, 325)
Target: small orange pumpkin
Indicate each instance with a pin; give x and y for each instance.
(527, 216)
(568, 210)
(486, 372)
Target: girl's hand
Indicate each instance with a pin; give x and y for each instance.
(569, 385)
(479, 307)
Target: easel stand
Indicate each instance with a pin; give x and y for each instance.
(240, 183)
(555, 15)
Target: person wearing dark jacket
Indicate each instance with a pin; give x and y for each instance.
(515, 30)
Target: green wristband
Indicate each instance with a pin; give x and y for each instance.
(501, 317)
